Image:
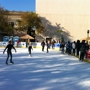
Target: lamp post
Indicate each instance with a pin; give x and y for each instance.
(12, 25)
(31, 31)
(87, 33)
(34, 28)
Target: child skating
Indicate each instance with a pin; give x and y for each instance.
(29, 48)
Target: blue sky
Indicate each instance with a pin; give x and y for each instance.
(18, 5)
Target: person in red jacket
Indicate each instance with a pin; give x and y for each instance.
(9, 47)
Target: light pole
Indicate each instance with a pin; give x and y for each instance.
(31, 31)
(12, 25)
(34, 28)
(87, 33)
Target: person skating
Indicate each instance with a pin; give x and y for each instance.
(29, 48)
(43, 45)
(9, 47)
(48, 45)
(53, 44)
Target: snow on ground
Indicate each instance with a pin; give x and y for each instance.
(43, 71)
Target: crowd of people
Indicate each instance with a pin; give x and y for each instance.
(77, 48)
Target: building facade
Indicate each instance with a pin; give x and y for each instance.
(13, 16)
(72, 16)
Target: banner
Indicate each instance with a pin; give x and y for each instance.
(16, 39)
(3, 44)
(22, 44)
(6, 38)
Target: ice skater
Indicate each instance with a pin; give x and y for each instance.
(43, 45)
(9, 47)
(48, 45)
(29, 48)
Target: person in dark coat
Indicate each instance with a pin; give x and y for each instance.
(62, 47)
(82, 52)
(78, 45)
(30, 48)
(53, 44)
(69, 47)
(43, 45)
(9, 47)
(48, 45)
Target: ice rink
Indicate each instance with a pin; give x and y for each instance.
(43, 71)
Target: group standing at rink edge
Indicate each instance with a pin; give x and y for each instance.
(77, 48)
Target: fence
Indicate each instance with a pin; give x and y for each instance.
(34, 44)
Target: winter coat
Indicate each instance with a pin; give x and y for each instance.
(82, 49)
